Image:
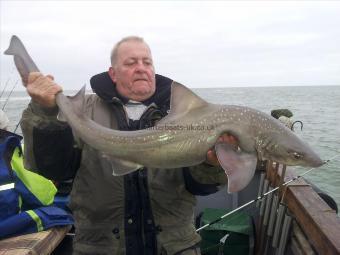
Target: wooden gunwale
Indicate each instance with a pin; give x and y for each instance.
(318, 221)
(34, 244)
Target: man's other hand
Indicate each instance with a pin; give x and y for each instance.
(211, 154)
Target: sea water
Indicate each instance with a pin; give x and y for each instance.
(317, 107)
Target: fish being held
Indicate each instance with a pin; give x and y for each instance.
(185, 135)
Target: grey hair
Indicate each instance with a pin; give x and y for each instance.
(114, 51)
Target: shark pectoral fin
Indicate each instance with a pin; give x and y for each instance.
(121, 167)
(239, 167)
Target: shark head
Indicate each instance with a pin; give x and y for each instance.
(289, 149)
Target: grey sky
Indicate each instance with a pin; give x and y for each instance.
(200, 44)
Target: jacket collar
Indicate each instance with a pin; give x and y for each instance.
(105, 88)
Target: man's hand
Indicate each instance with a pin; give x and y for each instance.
(211, 154)
(42, 89)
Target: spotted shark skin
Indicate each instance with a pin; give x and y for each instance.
(185, 135)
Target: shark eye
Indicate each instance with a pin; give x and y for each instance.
(296, 155)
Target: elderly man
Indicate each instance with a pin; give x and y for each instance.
(149, 211)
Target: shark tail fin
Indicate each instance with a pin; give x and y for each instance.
(22, 59)
(14, 47)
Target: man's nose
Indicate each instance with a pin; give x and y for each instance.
(141, 67)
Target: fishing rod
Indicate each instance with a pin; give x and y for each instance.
(3, 90)
(3, 107)
(262, 196)
(8, 79)
(16, 127)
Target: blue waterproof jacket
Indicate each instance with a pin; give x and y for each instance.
(26, 198)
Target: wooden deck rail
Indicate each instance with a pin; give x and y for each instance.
(41, 243)
(318, 221)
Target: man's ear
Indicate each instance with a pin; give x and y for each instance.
(112, 74)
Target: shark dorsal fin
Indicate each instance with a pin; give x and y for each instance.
(183, 100)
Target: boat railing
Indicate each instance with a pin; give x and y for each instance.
(295, 218)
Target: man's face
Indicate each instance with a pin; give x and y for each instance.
(134, 73)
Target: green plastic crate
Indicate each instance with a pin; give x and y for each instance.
(238, 226)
